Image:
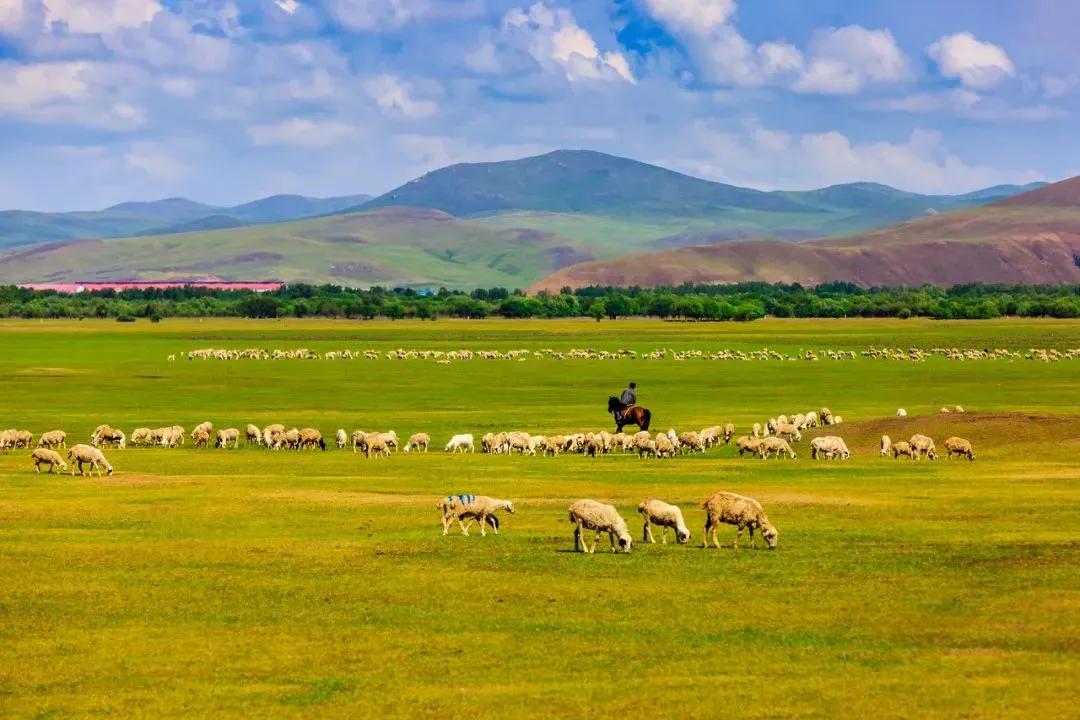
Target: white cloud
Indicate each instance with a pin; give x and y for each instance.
(304, 132)
(155, 161)
(394, 97)
(30, 87)
(838, 60)
(287, 6)
(554, 40)
(969, 104)
(368, 15)
(844, 59)
(100, 16)
(765, 158)
(1055, 86)
(169, 42)
(12, 16)
(977, 64)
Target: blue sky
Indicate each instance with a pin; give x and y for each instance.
(226, 100)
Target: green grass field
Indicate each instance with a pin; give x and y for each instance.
(251, 583)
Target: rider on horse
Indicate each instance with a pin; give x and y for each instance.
(628, 399)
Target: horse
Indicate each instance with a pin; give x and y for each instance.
(632, 415)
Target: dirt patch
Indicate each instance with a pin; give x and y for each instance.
(810, 499)
(50, 372)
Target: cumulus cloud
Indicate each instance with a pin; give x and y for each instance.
(155, 161)
(838, 61)
(768, 159)
(975, 63)
(79, 93)
(304, 132)
(394, 97)
(100, 16)
(287, 6)
(553, 39)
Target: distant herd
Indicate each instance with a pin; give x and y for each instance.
(448, 356)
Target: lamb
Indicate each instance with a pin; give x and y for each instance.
(738, 510)
(203, 427)
(88, 455)
(601, 518)
(420, 441)
(748, 444)
(904, 448)
(200, 437)
(658, 512)
(776, 447)
(479, 508)
(226, 436)
(341, 438)
(310, 438)
(829, 446)
(53, 438)
(886, 443)
(461, 443)
(924, 446)
(959, 446)
(254, 437)
(44, 456)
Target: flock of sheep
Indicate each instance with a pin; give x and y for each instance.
(772, 439)
(448, 356)
(592, 516)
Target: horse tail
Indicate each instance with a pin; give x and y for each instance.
(646, 418)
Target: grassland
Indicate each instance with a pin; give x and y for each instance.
(257, 584)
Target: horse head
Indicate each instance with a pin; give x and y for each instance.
(613, 404)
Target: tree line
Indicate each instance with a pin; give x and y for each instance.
(735, 302)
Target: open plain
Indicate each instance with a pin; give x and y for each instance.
(252, 583)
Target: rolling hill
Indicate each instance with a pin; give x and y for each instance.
(1028, 238)
(391, 246)
(23, 227)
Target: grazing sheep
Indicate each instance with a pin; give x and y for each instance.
(44, 456)
(776, 447)
(53, 438)
(645, 448)
(552, 445)
(829, 446)
(886, 443)
(924, 446)
(658, 512)
(756, 430)
(226, 436)
(479, 508)
(691, 442)
(105, 434)
(374, 444)
(172, 436)
(601, 518)
(748, 444)
(729, 432)
(944, 411)
(201, 437)
(142, 436)
(787, 431)
(664, 447)
(461, 443)
(88, 455)
(901, 412)
(738, 510)
(903, 448)
(959, 446)
(711, 435)
(420, 441)
(203, 427)
(811, 419)
(254, 437)
(958, 409)
(310, 438)
(291, 438)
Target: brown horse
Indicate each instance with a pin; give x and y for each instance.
(632, 415)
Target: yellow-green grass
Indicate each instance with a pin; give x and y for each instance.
(260, 584)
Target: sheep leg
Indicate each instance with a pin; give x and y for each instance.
(482, 522)
(646, 533)
(735, 545)
(752, 545)
(464, 527)
(579, 542)
(663, 534)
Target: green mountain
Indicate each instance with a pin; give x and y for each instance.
(22, 227)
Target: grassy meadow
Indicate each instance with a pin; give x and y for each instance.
(251, 583)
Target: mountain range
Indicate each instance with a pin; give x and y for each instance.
(25, 227)
(567, 217)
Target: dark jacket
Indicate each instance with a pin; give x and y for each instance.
(628, 397)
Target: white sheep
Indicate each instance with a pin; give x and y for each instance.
(420, 441)
(901, 412)
(53, 438)
(226, 436)
(601, 518)
(88, 455)
(461, 443)
(959, 446)
(341, 438)
(923, 446)
(829, 447)
(738, 510)
(254, 436)
(45, 456)
(886, 443)
(479, 508)
(658, 512)
(776, 447)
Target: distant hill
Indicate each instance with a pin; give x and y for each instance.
(1030, 238)
(389, 246)
(23, 227)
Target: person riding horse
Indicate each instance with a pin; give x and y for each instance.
(628, 399)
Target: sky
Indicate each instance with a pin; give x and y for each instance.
(224, 101)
